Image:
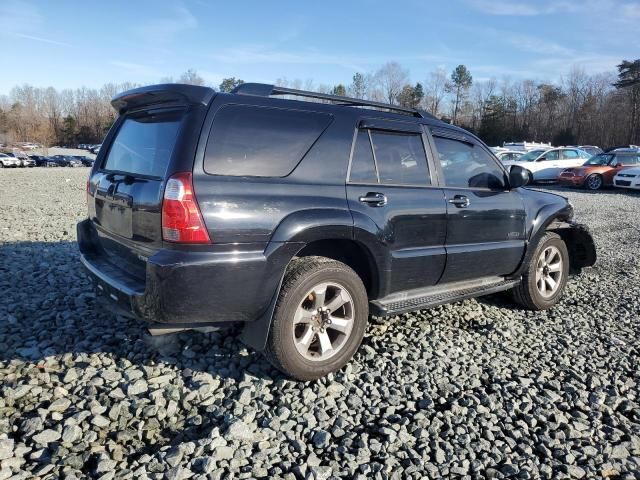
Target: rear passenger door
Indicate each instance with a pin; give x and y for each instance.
(485, 220)
(394, 202)
(571, 158)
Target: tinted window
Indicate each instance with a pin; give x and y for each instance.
(468, 166)
(570, 154)
(626, 160)
(400, 158)
(362, 164)
(551, 156)
(259, 141)
(144, 143)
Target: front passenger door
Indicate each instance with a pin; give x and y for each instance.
(548, 166)
(485, 220)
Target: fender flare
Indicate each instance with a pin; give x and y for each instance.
(299, 229)
(579, 241)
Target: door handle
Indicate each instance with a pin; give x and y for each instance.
(460, 201)
(374, 199)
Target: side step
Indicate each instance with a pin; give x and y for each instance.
(421, 298)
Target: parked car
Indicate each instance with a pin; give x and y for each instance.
(95, 148)
(67, 161)
(86, 161)
(300, 218)
(526, 146)
(622, 147)
(45, 161)
(8, 160)
(590, 149)
(628, 178)
(509, 155)
(547, 165)
(599, 170)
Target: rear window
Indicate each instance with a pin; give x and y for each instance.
(144, 143)
(261, 141)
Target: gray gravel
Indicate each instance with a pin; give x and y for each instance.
(479, 389)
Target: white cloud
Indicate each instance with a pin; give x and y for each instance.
(179, 20)
(533, 44)
(24, 21)
(520, 8)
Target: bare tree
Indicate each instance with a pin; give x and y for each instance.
(391, 78)
(435, 91)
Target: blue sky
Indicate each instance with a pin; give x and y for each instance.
(68, 44)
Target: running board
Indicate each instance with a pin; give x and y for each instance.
(421, 298)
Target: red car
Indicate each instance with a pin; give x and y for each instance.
(599, 170)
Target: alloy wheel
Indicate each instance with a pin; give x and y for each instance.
(549, 271)
(323, 321)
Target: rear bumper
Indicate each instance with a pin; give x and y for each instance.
(189, 287)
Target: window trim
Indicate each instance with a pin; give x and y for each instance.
(387, 126)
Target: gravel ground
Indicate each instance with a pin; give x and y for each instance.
(479, 389)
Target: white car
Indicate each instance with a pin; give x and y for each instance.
(509, 155)
(546, 165)
(628, 178)
(7, 161)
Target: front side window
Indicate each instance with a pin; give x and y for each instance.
(261, 141)
(626, 160)
(465, 165)
(144, 144)
(550, 156)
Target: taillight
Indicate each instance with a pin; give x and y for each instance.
(181, 218)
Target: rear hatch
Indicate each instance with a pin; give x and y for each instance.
(125, 190)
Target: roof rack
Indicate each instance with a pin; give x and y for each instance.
(266, 90)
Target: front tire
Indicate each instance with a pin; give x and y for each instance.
(593, 182)
(546, 276)
(319, 320)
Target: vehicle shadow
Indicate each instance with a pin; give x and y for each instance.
(49, 308)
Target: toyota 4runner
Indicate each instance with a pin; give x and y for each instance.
(299, 214)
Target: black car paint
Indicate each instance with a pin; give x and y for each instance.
(257, 225)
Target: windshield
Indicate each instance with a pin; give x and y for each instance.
(599, 160)
(531, 156)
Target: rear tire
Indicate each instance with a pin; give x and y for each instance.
(593, 182)
(319, 320)
(546, 276)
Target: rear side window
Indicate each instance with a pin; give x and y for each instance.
(400, 158)
(397, 158)
(144, 144)
(570, 154)
(261, 141)
(363, 169)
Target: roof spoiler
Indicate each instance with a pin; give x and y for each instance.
(160, 94)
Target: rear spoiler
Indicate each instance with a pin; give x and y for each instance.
(160, 94)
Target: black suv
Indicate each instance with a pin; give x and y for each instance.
(300, 214)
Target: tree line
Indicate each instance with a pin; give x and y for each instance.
(599, 109)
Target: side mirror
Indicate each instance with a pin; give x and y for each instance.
(518, 176)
